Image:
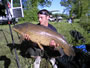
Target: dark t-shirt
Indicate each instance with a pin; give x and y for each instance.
(51, 27)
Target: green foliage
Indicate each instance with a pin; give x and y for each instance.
(85, 22)
(65, 28)
(45, 3)
(64, 16)
(16, 3)
(31, 9)
(71, 6)
(30, 15)
(35, 3)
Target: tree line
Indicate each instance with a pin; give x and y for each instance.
(78, 8)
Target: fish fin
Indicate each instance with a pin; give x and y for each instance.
(41, 47)
(69, 51)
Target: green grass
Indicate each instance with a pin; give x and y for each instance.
(5, 49)
(6, 44)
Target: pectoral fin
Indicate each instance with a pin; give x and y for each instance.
(41, 47)
(69, 51)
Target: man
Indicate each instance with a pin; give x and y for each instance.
(43, 17)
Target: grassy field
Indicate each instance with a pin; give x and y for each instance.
(7, 56)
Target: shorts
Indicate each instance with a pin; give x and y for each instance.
(33, 52)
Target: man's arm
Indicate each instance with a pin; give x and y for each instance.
(26, 36)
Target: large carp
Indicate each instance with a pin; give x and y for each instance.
(43, 35)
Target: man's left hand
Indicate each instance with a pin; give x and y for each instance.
(53, 43)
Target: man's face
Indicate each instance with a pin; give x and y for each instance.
(43, 19)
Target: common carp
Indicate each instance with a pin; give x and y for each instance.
(43, 35)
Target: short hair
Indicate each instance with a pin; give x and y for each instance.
(44, 12)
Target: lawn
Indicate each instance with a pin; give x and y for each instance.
(7, 54)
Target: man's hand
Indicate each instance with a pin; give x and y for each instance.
(26, 36)
(53, 44)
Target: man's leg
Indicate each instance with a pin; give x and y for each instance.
(35, 53)
(52, 60)
(37, 62)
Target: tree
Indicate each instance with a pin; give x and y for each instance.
(33, 3)
(76, 7)
(31, 8)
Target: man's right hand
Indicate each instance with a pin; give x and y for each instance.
(26, 36)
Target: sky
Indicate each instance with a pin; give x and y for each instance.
(54, 6)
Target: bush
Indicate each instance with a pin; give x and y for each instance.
(30, 15)
(85, 22)
(65, 28)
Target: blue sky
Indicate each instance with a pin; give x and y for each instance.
(54, 6)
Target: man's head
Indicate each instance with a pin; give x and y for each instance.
(43, 16)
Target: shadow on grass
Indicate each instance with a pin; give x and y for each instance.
(4, 36)
(26, 45)
(6, 60)
(22, 47)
